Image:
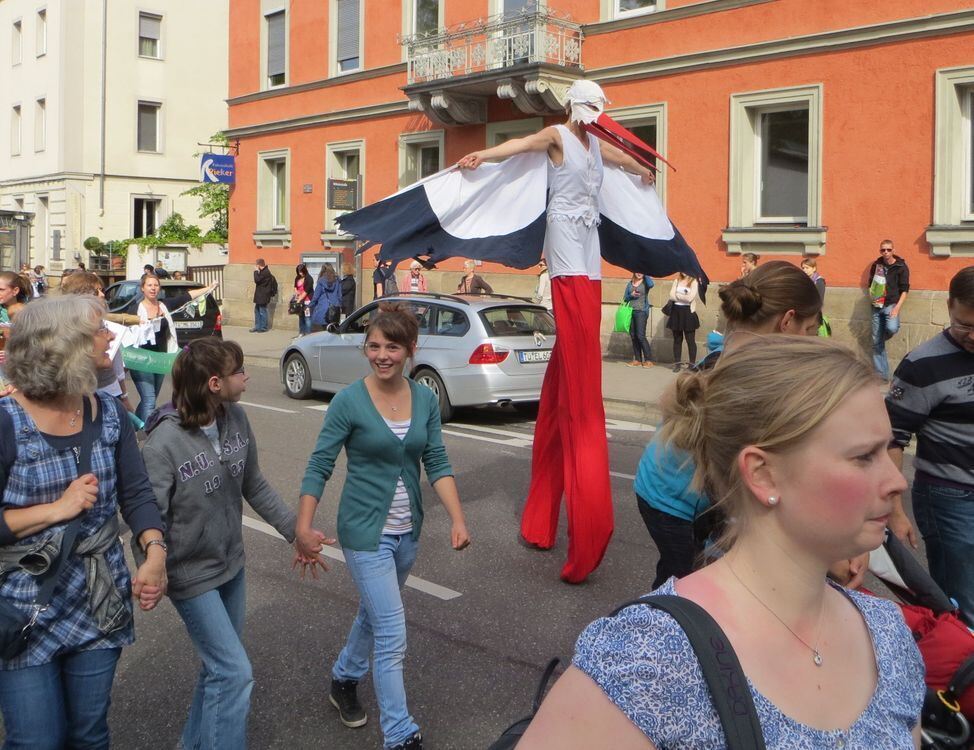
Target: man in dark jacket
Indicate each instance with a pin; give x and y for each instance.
(265, 287)
(348, 289)
(889, 282)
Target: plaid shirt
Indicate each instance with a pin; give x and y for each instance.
(39, 475)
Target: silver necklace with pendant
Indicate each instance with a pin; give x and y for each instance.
(816, 654)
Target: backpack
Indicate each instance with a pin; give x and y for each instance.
(390, 285)
(877, 287)
(718, 662)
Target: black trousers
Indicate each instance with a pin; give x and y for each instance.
(674, 538)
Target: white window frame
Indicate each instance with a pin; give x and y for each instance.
(746, 230)
(759, 218)
(511, 129)
(646, 114)
(409, 9)
(610, 10)
(267, 12)
(40, 124)
(17, 41)
(138, 34)
(159, 126)
(40, 19)
(334, 66)
(334, 170)
(160, 210)
(16, 129)
(410, 145)
(952, 231)
(42, 224)
(267, 193)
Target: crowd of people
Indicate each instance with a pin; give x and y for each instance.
(761, 494)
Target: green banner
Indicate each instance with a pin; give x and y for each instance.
(146, 360)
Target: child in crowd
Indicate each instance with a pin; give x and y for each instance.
(202, 461)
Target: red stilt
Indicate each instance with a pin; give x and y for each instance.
(571, 453)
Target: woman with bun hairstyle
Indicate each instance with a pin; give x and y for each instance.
(387, 424)
(776, 297)
(806, 479)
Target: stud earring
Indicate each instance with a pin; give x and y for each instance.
(772, 500)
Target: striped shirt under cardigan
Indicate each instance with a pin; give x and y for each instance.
(932, 396)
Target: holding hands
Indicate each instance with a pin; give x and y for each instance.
(308, 543)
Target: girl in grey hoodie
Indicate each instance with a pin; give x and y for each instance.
(202, 461)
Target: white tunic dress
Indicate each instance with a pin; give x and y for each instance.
(571, 245)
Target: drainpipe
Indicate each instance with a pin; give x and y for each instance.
(104, 75)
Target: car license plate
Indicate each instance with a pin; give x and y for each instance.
(184, 324)
(534, 355)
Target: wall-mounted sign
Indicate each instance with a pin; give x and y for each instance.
(217, 168)
(343, 195)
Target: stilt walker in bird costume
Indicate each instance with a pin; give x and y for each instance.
(581, 192)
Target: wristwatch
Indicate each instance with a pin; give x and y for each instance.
(165, 547)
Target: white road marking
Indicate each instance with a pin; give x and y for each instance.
(621, 475)
(319, 407)
(494, 430)
(524, 442)
(270, 408)
(619, 424)
(414, 582)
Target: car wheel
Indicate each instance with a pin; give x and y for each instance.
(432, 381)
(297, 377)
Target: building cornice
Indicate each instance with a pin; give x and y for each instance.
(362, 75)
(671, 14)
(329, 118)
(859, 36)
(89, 176)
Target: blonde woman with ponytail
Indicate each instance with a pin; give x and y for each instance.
(804, 478)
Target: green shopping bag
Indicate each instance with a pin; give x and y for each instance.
(623, 318)
(146, 360)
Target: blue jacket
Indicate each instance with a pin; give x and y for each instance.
(642, 301)
(325, 296)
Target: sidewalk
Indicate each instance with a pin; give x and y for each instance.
(629, 393)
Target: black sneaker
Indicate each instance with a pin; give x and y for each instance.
(413, 743)
(344, 697)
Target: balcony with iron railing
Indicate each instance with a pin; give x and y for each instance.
(530, 56)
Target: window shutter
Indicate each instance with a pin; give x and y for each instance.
(275, 44)
(149, 27)
(348, 25)
(148, 126)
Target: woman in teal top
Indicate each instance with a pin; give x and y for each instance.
(387, 424)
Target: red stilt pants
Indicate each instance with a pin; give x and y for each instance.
(571, 453)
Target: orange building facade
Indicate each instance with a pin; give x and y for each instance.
(795, 128)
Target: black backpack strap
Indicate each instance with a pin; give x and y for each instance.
(963, 678)
(728, 686)
(50, 579)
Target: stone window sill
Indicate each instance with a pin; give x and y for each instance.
(772, 240)
(956, 240)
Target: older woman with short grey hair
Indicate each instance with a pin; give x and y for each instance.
(56, 691)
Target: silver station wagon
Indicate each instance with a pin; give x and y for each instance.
(473, 351)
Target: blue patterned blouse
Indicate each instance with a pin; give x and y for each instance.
(644, 663)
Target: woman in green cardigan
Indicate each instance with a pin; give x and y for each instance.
(386, 424)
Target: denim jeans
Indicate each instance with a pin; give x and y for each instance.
(60, 704)
(260, 317)
(945, 517)
(637, 332)
(148, 384)
(381, 625)
(218, 714)
(674, 539)
(885, 327)
(304, 322)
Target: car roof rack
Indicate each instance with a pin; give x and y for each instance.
(434, 295)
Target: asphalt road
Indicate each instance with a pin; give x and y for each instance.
(481, 623)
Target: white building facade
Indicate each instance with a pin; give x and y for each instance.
(102, 105)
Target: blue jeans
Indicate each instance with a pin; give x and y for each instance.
(218, 714)
(945, 517)
(260, 317)
(637, 332)
(381, 624)
(148, 384)
(304, 321)
(60, 704)
(885, 327)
